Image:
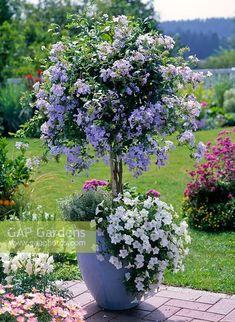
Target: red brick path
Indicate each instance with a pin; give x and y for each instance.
(170, 304)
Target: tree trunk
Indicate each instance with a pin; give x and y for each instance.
(116, 175)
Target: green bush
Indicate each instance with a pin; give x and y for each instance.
(82, 207)
(229, 101)
(11, 111)
(222, 84)
(206, 214)
(13, 174)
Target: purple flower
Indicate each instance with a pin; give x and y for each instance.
(81, 88)
(187, 137)
(153, 192)
(57, 90)
(93, 184)
(201, 149)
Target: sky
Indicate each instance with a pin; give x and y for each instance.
(191, 9)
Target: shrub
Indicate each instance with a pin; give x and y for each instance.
(82, 207)
(229, 101)
(13, 174)
(222, 84)
(210, 202)
(11, 111)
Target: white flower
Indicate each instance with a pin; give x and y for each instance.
(128, 239)
(152, 263)
(164, 242)
(115, 261)
(123, 253)
(9, 279)
(100, 257)
(139, 261)
(29, 268)
(127, 276)
(148, 203)
(129, 224)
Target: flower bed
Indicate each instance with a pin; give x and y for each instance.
(210, 202)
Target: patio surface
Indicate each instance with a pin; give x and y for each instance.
(170, 304)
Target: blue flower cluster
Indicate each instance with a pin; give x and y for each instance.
(116, 95)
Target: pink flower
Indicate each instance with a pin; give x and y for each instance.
(153, 193)
(204, 104)
(93, 184)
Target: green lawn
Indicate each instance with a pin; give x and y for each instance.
(211, 263)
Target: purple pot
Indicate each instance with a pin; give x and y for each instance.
(105, 282)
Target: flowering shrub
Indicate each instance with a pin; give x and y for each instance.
(36, 307)
(141, 236)
(210, 202)
(27, 271)
(114, 87)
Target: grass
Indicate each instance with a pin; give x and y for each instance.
(211, 262)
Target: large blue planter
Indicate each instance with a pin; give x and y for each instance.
(105, 282)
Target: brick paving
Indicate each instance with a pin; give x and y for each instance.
(169, 304)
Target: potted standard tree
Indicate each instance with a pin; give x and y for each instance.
(111, 91)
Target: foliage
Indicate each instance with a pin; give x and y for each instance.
(22, 38)
(11, 111)
(141, 236)
(136, 8)
(221, 85)
(82, 207)
(229, 101)
(116, 96)
(224, 59)
(210, 202)
(9, 9)
(36, 307)
(13, 174)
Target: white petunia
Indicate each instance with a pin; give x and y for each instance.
(123, 253)
(115, 261)
(100, 257)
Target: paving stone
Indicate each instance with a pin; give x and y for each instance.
(208, 316)
(189, 305)
(224, 306)
(83, 299)
(126, 318)
(68, 284)
(162, 313)
(152, 303)
(102, 316)
(78, 289)
(133, 313)
(91, 309)
(209, 299)
(230, 317)
(181, 295)
(178, 318)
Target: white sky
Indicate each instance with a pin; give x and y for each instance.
(190, 9)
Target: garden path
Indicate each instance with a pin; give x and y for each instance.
(169, 304)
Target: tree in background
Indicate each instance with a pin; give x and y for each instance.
(9, 9)
(24, 28)
(136, 8)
